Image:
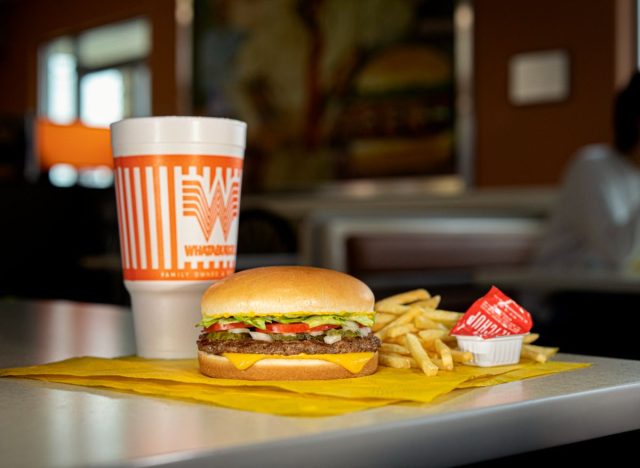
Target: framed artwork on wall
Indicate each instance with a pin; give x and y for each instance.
(330, 89)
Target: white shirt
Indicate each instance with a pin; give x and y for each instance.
(596, 222)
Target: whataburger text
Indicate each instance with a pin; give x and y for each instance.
(209, 249)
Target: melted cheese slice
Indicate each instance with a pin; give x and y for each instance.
(353, 362)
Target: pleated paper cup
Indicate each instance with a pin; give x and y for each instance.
(489, 352)
(178, 182)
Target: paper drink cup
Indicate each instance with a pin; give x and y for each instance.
(178, 183)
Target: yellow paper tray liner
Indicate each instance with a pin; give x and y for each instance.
(181, 379)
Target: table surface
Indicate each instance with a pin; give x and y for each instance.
(46, 424)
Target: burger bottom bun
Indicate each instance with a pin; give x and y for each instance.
(213, 365)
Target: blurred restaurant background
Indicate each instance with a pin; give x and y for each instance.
(411, 143)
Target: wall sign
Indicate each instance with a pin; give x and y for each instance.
(539, 77)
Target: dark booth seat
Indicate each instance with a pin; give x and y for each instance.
(435, 249)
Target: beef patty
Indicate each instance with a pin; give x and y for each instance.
(369, 343)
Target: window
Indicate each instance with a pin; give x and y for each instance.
(101, 97)
(98, 76)
(59, 82)
(91, 79)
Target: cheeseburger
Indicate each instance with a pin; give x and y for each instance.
(288, 323)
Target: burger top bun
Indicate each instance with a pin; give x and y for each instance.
(287, 289)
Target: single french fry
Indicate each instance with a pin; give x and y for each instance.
(414, 363)
(530, 338)
(420, 355)
(391, 308)
(425, 323)
(400, 330)
(435, 358)
(405, 318)
(461, 356)
(537, 353)
(546, 350)
(432, 303)
(398, 340)
(438, 362)
(394, 360)
(381, 320)
(393, 348)
(442, 315)
(450, 339)
(431, 335)
(533, 355)
(445, 354)
(449, 324)
(404, 298)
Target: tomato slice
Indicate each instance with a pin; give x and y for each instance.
(227, 326)
(295, 328)
(287, 327)
(323, 328)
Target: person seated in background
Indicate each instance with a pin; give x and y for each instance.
(595, 227)
(596, 222)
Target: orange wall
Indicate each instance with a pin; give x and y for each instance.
(29, 23)
(514, 145)
(530, 145)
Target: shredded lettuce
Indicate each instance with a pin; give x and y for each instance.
(311, 320)
(206, 322)
(258, 322)
(362, 319)
(317, 320)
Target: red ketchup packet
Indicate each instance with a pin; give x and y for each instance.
(494, 314)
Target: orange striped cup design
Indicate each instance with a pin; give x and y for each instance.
(178, 216)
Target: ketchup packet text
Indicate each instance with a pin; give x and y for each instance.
(494, 314)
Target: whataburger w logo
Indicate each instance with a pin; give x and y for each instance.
(211, 201)
(178, 215)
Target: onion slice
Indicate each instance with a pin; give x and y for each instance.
(238, 330)
(330, 339)
(260, 336)
(351, 326)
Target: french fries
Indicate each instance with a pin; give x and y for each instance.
(395, 360)
(403, 298)
(422, 321)
(420, 355)
(404, 319)
(461, 356)
(537, 353)
(400, 330)
(415, 333)
(442, 315)
(428, 336)
(445, 354)
(382, 319)
(394, 309)
(393, 348)
(433, 302)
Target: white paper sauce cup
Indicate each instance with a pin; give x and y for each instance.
(499, 351)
